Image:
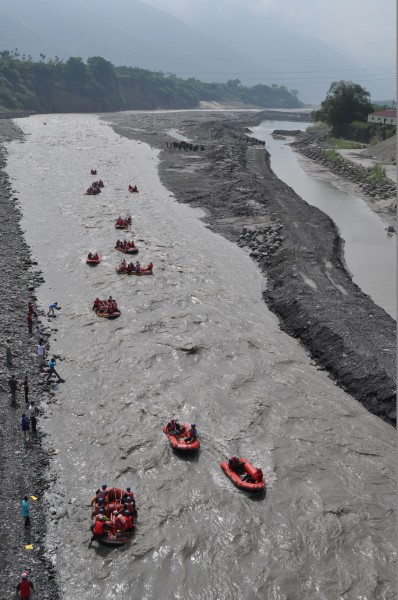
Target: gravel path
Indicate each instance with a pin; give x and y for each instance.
(23, 464)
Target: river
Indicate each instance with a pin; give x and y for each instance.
(370, 254)
(197, 341)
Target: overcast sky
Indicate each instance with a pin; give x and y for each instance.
(364, 29)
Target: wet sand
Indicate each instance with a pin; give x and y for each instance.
(308, 286)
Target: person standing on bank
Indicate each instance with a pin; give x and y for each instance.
(32, 411)
(25, 510)
(31, 309)
(52, 371)
(8, 353)
(13, 383)
(29, 320)
(25, 587)
(52, 308)
(25, 424)
(40, 352)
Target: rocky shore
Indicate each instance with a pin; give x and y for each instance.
(313, 146)
(23, 465)
(296, 245)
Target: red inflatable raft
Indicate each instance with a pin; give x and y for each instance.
(124, 271)
(107, 309)
(123, 223)
(131, 250)
(249, 469)
(117, 538)
(113, 315)
(177, 442)
(93, 261)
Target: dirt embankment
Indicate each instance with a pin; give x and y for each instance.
(296, 245)
(23, 464)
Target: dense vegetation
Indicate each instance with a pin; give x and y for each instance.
(367, 133)
(346, 109)
(75, 86)
(345, 102)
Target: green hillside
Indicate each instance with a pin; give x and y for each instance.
(97, 85)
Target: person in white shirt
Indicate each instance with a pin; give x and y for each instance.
(32, 411)
(40, 353)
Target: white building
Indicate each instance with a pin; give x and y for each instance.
(385, 117)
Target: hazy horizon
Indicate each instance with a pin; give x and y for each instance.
(304, 47)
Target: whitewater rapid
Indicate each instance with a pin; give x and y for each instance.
(197, 341)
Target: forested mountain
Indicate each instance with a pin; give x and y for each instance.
(213, 48)
(125, 32)
(97, 85)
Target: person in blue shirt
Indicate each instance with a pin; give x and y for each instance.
(25, 509)
(25, 424)
(192, 434)
(52, 371)
(53, 307)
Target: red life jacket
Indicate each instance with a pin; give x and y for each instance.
(99, 528)
(24, 589)
(129, 522)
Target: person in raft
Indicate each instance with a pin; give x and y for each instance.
(192, 434)
(129, 521)
(100, 530)
(236, 465)
(101, 494)
(173, 427)
(257, 477)
(129, 505)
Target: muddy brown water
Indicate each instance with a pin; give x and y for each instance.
(195, 340)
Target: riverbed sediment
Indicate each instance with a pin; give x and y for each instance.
(23, 464)
(308, 286)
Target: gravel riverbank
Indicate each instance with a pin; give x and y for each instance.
(296, 245)
(381, 193)
(23, 465)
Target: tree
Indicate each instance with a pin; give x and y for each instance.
(234, 83)
(345, 102)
